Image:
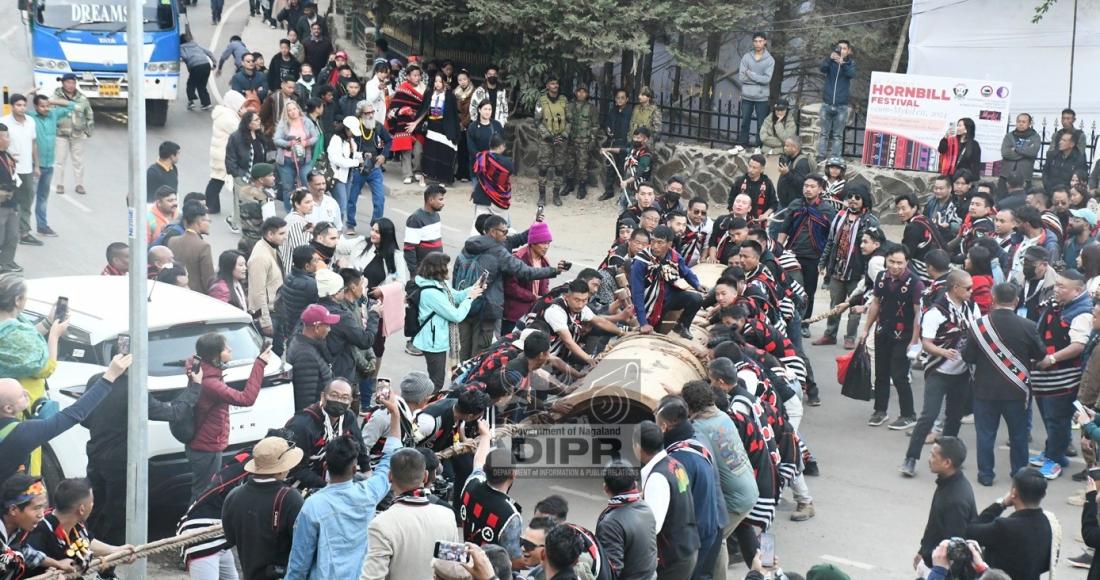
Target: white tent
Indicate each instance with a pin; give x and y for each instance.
(996, 40)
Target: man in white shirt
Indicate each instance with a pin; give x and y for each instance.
(946, 374)
(325, 207)
(24, 148)
(566, 315)
(378, 89)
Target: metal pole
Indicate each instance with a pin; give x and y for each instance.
(137, 486)
(1072, 54)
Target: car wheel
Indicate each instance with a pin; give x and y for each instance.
(52, 474)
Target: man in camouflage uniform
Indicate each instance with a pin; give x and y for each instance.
(582, 139)
(253, 195)
(553, 123)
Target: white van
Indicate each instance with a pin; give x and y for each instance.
(99, 313)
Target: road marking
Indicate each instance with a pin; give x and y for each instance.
(9, 32)
(212, 82)
(847, 562)
(72, 201)
(591, 496)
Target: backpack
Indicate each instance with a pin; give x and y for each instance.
(467, 270)
(413, 324)
(182, 421)
(170, 231)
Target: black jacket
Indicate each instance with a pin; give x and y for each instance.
(1058, 168)
(789, 186)
(1090, 531)
(499, 261)
(1018, 544)
(106, 426)
(279, 69)
(309, 436)
(617, 125)
(1020, 336)
(347, 334)
(312, 369)
(299, 290)
(258, 518)
(239, 155)
(951, 512)
(626, 535)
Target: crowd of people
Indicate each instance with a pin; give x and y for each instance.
(988, 278)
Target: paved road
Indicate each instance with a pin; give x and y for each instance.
(868, 518)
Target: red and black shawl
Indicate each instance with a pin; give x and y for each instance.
(403, 110)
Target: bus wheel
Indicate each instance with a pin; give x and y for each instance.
(156, 112)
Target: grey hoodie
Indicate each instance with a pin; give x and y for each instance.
(1018, 153)
(755, 76)
(495, 257)
(194, 55)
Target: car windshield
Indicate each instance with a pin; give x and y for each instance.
(103, 15)
(170, 349)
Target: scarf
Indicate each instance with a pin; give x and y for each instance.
(415, 497)
(23, 351)
(846, 233)
(950, 159)
(494, 179)
(659, 274)
(809, 219)
(403, 109)
(324, 251)
(628, 497)
(693, 243)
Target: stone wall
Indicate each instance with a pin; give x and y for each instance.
(710, 172)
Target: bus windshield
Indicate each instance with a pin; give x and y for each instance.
(102, 15)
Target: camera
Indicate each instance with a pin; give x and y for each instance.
(784, 160)
(960, 559)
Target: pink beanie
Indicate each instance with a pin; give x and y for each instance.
(539, 233)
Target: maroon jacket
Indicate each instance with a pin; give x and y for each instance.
(212, 409)
(518, 295)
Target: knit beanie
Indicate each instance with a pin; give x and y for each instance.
(539, 233)
(826, 572)
(416, 387)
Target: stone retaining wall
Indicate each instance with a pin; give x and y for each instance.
(710, 172)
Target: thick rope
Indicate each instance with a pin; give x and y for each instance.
(164, 545)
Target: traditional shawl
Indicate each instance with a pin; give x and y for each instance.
(495, 179)
(403, 109)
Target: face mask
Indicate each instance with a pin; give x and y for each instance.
(490, 80)
(307, 78)
(335, 408)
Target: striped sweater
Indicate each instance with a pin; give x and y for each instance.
(423, 235)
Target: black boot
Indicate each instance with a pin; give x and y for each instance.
(606, 196)
(569, 185)
(542, 194)
(557, 196)
(582, 191)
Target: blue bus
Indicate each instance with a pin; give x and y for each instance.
(88, 39)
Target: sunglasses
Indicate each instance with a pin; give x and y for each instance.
(290, 445)
(528, 545)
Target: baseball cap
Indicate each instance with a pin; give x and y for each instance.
(341, 54)
(1086, 214)
(353, 125)
(316, 314)
(68, 77)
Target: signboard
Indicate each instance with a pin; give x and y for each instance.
(907, 115)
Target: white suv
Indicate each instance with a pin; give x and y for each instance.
(99, 313)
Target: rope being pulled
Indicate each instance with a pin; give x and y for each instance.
(164, 545)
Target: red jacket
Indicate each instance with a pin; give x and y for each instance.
(520, 296)
(981, 294)
(212, 409)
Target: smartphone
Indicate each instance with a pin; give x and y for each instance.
(195, 365)
(123, 343)
(539, 212)
(484, 278)
(61, 309)
(767, 549)
(566, 264)
(382, 395)
(452, 552)
(1080, 408)
(267, 345)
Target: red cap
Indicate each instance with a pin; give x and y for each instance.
(316, 314)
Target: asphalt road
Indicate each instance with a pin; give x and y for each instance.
(869, 518)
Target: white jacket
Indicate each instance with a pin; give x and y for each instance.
(349, 254)
(342, 157)
(225, 121)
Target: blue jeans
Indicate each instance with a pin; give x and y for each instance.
(377, 194)
(794, 329)
(748, 109)
(40, 194)
(340, 194)
(833, 120)
(987, 418)
(355, 185)
(289, 180)
(1057, 412)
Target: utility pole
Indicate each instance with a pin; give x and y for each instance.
(1072, 55)
(137, 440)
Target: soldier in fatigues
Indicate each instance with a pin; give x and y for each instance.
(582, 141)
(253, 196)
(553, 123)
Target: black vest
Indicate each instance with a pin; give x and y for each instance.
(484, 512)
(443, 436)
(678, 538)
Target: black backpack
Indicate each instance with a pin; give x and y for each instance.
(413, 324)
(182, 420)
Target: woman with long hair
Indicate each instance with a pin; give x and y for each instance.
(960, 150)
(441, 309)
(464, 94)
(401, 118)
(344, 157)
(777, 128)
(245, 147)
(1088, 261)
(978, 265)
(298, 226)
(480, 131)
(295, 136)
(439, 114)
(229, 284)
